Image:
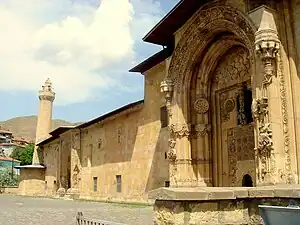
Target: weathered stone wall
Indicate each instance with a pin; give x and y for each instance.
(238, 212)
(131, 145)
(32, 182)
(51, 160)
(216, 206)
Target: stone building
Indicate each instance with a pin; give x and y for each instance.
(219, 119)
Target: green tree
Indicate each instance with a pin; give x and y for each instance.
(8, 178)
(23, 154)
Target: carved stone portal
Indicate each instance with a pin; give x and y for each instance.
(240, 149)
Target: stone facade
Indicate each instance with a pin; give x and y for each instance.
(229, 89)
(218, 206)
(85, 160)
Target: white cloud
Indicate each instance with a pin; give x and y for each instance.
(73, 43)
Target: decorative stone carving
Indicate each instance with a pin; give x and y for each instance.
(201, 105)
(225, 115)
(240, 145)
(229, 105)
(171, 154)
(232, 160)
(286, 138)
(167, 87)
(180, 130)
(75, 175)
(241, 108)
(234, 69)
(197, 32)
(202, 129)
(265, 143)
(75, 139)
(267, 46)
(260, 109)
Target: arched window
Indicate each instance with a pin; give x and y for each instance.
(247, 181)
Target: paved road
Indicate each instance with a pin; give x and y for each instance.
(17, 210)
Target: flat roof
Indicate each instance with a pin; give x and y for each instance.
(112, 113)
(60, 130)
(37, 166)
(3, 158)
(152, 60)
(162, 33)
(55, 133)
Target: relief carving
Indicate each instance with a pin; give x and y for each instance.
(201, 105)
(265, 143)
(75, 175)
(202, 129)
(225, 115)
(232, 159)
(267, 46)
(196, 34)
(241, 108)
(260, 109)
(180, 130)
(240, 145)
(234, 69)
(75, 140)
(286, 138)
(167, 87)
(171, 154)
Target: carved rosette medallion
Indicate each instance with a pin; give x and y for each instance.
(229, 105)
(201, 105)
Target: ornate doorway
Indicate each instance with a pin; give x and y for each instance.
(232, 123)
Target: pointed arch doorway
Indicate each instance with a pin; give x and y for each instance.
(229, 139)
(210, 73)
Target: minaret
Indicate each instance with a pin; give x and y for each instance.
(44, 122)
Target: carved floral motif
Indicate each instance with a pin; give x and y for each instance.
(233, 69)
(202, 129)
(180, 130)
(201, 105)
(171, 154)
(223, 17)
(225, 115)
(240, 145)
(260, 109)
(265, 143)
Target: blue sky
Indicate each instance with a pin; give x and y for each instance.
(85, 47)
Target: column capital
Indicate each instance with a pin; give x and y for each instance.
(180, 130)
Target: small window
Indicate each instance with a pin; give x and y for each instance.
(119, 183)
(95, 183)
(164, 120)
(166, 155)
(167, 183)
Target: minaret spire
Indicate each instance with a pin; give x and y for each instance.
(44, 122)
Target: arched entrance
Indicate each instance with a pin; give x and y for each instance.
(211, 131)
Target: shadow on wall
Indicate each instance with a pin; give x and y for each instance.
(159, 171)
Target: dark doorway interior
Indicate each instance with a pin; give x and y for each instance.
(247, 181)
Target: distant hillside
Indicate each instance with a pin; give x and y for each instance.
(25, 126)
